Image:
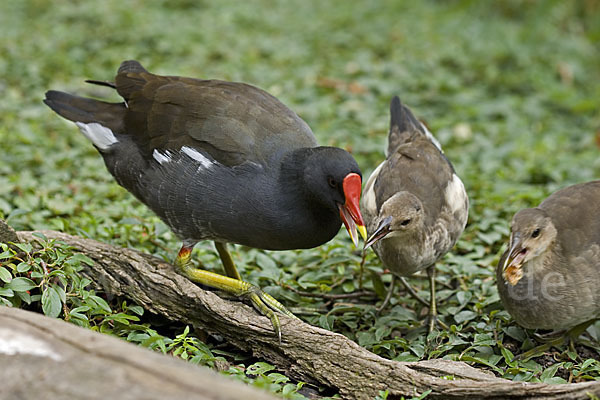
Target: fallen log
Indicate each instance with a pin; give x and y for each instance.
(47, 358)
(306, 352)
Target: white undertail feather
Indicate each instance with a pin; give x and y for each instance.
(99, 135)
(196, 155)
(432, 138)
(369, 201)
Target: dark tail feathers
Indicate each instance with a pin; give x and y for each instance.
(402, 117)
(403, 125)
(81, 109)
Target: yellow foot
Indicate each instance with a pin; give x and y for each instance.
(264, 303)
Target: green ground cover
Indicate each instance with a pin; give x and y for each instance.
(511, 89)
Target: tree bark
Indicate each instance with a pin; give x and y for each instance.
(306, 352)
(46, 358)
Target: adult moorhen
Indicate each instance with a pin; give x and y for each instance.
(222, 161)
(549, 277)
(414, 204)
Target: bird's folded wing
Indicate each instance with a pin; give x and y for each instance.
(230, 122)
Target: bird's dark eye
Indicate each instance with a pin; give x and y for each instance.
(332, 182)
(536, 233)
(405, 222)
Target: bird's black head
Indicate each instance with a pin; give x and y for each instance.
(332, 180)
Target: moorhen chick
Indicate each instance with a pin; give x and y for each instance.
(414, 204)
(549, 277)
(223, 161)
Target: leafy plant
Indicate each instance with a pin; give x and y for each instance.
(509, 88)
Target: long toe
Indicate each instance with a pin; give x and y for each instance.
(269, 307)
(263, 302)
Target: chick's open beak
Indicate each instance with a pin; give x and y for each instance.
(382, 230)
(511, 268)
(350, 210)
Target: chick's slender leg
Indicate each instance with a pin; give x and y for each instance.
(432, 302)
(412, 291)
(433, 320)
(388, 295)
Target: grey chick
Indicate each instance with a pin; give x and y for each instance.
(415, 206)
(549, 276)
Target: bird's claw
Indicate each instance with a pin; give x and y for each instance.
(267, 305)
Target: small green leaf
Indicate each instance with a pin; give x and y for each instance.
(80, 309)
(278, 378)
(83, 258)
(464, 316)
(61, 293)
(25, 247)
(101, 303)
(51, 304)
(6, 254)
(463, 297)
(348, 287)
(23, 267)
(549, 372)
(378, 285)
(136, 310)
(5, 276)
(508, 356)
(259, 368)
(76, 315)
(40, 235)
(20, 284)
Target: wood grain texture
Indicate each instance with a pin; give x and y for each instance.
(46, 358)
(306, 352)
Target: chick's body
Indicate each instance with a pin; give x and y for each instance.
(549, 278)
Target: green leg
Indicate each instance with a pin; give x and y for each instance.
(227, 261)
(262, 301)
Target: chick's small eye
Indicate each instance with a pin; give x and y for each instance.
(405, 222)
(332, 182)
(536, 233)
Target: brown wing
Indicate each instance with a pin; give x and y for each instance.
(575, 212)
(419, 168)
(233, 122)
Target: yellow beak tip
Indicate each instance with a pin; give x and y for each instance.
(363, 231)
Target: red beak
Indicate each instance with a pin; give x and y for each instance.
(350, 211)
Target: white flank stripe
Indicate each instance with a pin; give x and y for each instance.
(196, 155)
(161, 157)
(99, 135)
(455, 193)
